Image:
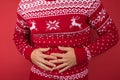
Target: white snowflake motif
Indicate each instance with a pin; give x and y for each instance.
(102, 14)
(52, 25)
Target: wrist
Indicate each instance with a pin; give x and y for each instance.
(81, 55)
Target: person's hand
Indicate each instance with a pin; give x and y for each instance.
(67, 59)
(38, 58)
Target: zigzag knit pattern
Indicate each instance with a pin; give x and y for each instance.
(53, 23)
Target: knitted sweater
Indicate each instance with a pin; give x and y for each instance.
(53, 23)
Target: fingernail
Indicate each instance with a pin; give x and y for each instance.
(48, 47)
(50, 61)
(54, 66)
(58, 46)
(51, 70)
(59, 71)
(55, 57)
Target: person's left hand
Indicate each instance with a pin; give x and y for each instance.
(67, 59)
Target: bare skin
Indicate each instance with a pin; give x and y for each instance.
(67, 60)
(38, 58)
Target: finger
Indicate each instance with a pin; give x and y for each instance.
(57, 54)
(58, 61)
(64, 48)
(43, 49)
(48, 56)
(44, 67)
(64, 69)
(48, 63)
(61, 66)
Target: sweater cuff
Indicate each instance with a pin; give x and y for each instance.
(81, 55)
(27, 53)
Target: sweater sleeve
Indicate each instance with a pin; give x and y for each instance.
(22, 37)
(107, 33)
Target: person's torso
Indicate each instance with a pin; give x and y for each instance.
(59, 23)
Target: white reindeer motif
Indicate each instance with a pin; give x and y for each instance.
(74, 23)
(33, 26)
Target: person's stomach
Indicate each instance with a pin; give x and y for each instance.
(76, 39)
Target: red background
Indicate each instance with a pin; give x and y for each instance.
(14, 67)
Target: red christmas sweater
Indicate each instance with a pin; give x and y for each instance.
(53, 23)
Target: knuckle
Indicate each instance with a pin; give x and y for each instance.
(47, 68)
(46, 55)
(66, 60)
(48, 63)
(43, 61)
(67, 63)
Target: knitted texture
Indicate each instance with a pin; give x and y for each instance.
(53, 23)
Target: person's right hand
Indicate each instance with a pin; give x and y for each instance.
(38, 58)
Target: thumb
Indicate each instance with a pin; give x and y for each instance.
(44, 49)
(64, 48)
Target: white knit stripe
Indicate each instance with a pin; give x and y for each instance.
(104, 24)
(68, 77)
(43, 4)
(75, 32)
(58, 7)
(95, 6)
(89, 56)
